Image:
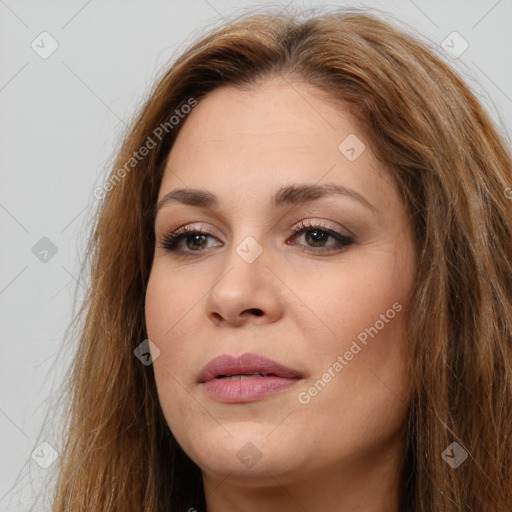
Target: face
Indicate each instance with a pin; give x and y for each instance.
(308, 288)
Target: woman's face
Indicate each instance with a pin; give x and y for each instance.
(327, 303)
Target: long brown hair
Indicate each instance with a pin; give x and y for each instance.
(453, 170)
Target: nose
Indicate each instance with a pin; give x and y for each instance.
(244, 292)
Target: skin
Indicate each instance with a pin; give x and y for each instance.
(341, 451)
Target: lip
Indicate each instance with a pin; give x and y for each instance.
(277, 378)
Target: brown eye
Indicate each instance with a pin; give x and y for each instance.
(317, 236)
(195, 240)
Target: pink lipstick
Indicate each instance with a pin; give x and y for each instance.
(245, 378)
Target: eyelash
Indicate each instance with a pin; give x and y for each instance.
(171, 241)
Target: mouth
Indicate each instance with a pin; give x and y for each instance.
(245, 378)
(242, 376)
(245, 366)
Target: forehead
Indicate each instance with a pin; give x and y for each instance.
(276, 113)
(272, 134)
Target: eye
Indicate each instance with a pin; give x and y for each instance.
(195, 240)
(316, 236)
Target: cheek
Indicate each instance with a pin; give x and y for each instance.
(164, 318)
(362, 309)
(358, 391)
(167, 303)
(171, 304)
(351, 298)
(154, 306)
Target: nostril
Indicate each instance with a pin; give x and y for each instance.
(256, 311)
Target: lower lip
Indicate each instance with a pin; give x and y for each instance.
(246, 390)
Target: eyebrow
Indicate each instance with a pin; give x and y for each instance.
(287, 195)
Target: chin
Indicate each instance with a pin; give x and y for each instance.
(247, 450)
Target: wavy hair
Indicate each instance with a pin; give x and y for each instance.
(453, 170)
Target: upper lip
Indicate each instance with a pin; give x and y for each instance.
(243, 364)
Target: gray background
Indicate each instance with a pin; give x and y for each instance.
(61, 119)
